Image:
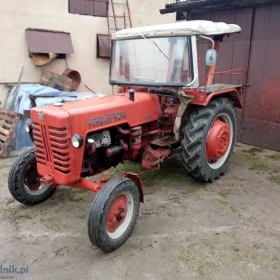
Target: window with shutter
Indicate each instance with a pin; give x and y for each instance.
(103, 46)
(98, 8)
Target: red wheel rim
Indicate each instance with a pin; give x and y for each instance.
(117, 213)
(218, 140)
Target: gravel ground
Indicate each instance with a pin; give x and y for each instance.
(186, 230)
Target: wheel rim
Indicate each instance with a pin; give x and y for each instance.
(219, 141)
(31, 180)
(120, 215)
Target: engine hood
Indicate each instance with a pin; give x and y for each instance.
(99, 113)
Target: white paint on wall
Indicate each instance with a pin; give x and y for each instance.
(16, 16)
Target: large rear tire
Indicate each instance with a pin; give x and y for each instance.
(209, 138)
(114, 213)
(24, 180)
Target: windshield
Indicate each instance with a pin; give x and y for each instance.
(151, 62)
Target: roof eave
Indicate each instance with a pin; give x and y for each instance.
(214, 5)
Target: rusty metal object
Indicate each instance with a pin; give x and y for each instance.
(75, 76)
(47, 181)
(152, 158)
(164, 141)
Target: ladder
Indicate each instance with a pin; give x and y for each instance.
(119, 16)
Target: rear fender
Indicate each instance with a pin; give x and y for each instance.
(231, 94)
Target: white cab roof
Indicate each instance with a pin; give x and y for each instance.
(187, 28)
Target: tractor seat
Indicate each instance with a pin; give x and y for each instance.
(217, 87)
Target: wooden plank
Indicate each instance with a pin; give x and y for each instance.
(56, 81)
(4, 154)
(8, 121)
(5, 131)
(9, 113)
(6, 118)
(3, 138)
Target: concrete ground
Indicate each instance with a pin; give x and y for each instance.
(186, 230)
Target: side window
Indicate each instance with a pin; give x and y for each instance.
(98, 8)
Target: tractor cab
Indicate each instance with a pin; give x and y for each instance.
(164, 55)
(164, 59)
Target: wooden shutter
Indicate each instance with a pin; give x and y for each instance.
(103, 46)
(98, 8)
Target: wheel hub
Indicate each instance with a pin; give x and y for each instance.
(218, 140)
(31, 177)
(117, 213)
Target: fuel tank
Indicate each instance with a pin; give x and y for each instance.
(53, 127)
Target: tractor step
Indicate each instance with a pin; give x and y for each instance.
(165, 141)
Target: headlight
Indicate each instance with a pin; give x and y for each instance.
(28, 126)
(77, 141)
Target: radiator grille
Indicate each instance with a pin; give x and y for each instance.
(57, 153)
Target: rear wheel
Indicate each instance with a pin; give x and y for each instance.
(209, 138)
(113, 214)
(24, 180)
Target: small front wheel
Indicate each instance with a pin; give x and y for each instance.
(24, 180)
(113, 214)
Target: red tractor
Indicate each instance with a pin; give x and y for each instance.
(159, 108)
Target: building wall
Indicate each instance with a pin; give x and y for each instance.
(255, 50)
(16, 16)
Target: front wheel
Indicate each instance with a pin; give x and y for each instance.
(209, 138)
(113, 214)
(24, 180)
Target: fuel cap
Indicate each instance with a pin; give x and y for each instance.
(57, 104)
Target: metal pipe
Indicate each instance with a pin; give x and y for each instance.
(123, 131)
(124, 22)
(151, 132)
(87, 185)
(131, 94)
(213, 68)
(114, 151)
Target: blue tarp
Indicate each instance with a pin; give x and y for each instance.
(23, 103)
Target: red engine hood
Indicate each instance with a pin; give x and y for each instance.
(99, 113)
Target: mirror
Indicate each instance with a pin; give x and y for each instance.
(211, 57)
